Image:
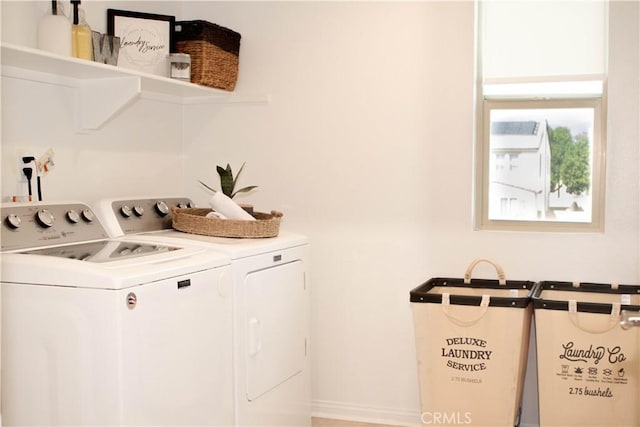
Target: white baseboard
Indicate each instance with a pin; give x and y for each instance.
(365, 413)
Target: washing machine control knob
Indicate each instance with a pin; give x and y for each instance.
(138, 210)
(13, 221)
(87, 215)
(72, 216)
(162, 209)
(125, 211)
(183, 205)
(45, 218)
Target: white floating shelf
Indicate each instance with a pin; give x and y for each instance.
(103, 90)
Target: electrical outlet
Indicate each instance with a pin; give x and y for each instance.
(25, 184)
(28, 162)
(19, 174)
(20, 153)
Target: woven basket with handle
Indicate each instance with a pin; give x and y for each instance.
(214, 52)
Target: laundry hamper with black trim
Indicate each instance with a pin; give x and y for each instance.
(588, 365)
(472, 339)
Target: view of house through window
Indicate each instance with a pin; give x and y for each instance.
(540, 164)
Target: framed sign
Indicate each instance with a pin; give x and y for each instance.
(145, 39)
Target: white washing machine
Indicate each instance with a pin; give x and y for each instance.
(99, 331)
(271, 308)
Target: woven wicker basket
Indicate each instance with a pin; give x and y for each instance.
(214, 52)
(195, 221)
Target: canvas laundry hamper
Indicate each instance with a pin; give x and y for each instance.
(472, 338)
(588, 364)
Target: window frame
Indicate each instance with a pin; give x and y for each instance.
(483, 156)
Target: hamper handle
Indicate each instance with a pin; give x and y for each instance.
(613, 319)
(499, 271)
(446, 304)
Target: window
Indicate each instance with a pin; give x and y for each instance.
(541, 122)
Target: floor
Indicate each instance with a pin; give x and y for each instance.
(326, 422)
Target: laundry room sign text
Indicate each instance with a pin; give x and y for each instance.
(466, 354)
(591, 353)
(592, 370)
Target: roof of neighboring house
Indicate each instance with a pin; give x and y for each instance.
(514, 128)
(517, 135)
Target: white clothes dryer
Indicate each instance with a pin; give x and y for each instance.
(271, 307)
(99, 331)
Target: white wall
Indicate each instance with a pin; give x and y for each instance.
(136, 152)
(366, 147)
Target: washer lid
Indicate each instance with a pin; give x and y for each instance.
(107, 264)
(103, 250)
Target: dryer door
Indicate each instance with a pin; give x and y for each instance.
(275, 323)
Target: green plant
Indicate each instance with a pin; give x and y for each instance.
(228, 182)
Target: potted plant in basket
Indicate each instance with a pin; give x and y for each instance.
(228, 185)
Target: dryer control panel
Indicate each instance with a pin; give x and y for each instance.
(32, 225)
(144, 215)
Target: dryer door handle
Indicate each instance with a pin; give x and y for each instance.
(255, 341)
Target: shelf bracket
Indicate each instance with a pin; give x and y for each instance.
(98, 100)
